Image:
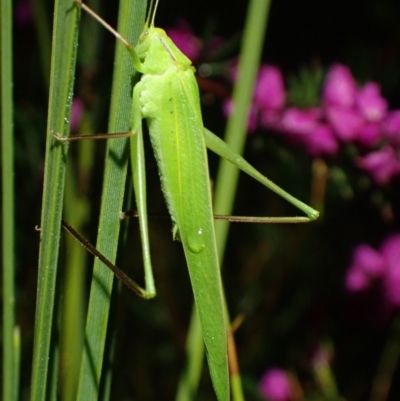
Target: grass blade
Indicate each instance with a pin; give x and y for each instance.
(236, 131)
(10, 347)
(61, 84)
(131, 21)
(78, 204)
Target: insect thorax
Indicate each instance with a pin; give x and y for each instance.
(158, 53)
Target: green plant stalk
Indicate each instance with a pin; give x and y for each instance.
(237, 388)
(61, 84)
(227, 176)
(43, 38)
(90, 41)
(236, 131)
(190, 377)
(54, 361)
(10, 363)
(77, 211)
(325, 377)
(388, 363)
(130, 24)
(17, 360)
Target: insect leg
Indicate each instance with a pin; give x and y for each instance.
(139, 184)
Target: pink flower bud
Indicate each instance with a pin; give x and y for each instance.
(391, 252)
(321, 141)
(367, 264)
(340, 87)
(370, 134)
(369, 261)
(356, 280)
(189, 44)
(270, 89)
(275, 385)
(345, 122)
(299, 122)
(382, 164)
(270, 119)
(370, 102)
(76, 113)
(391, 127)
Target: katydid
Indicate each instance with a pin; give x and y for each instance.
(167, 96)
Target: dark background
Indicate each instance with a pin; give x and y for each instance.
(287, 282)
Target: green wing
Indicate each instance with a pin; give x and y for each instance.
(177, 135)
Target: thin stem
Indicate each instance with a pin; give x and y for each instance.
(43, 38)
(10, 363)
(387, 365)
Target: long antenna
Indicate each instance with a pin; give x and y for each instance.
(104, 23)
(154, 13)
(149, 13)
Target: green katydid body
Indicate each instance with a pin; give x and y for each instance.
(169, 100)
(167, 96)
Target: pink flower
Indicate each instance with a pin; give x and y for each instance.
(391, 252)
(353, 114)
(275, 385)
(340, 87)
(356, 280)
(367, 264)
(346, 123)
(391, 126)
(382, 164)
(270, 119)
(370, 102)
(270, 88)
(228, 108)
(303, 126)
(76, 113)
(370, 134)
(321, 141)
(298, 122)
(189, 44)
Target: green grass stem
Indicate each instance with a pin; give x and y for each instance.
(77, 212)
(43, 37)
(130, 24)
(10, 346)
(61, 85)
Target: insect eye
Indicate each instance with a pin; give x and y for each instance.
(144, 35)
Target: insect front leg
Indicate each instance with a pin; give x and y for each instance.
(139, 185)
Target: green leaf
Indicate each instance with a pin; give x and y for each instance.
(10, 346)
(61, 84)
(130, 25)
